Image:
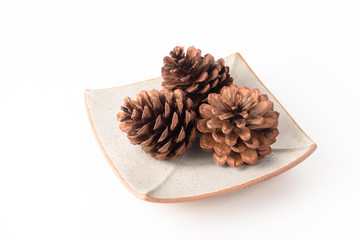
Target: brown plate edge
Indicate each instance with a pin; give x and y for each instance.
(147, 197)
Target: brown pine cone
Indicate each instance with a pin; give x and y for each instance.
(196, 75)
(162, 122)
(238, 126)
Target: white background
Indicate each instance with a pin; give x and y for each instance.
(54, 180)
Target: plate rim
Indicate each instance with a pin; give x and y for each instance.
(149, 198)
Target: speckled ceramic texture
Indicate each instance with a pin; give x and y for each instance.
(194, 175)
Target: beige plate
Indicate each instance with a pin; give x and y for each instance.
(194, 175)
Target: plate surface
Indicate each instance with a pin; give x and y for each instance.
(194, 175)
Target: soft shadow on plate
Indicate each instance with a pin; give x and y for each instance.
(274, 192)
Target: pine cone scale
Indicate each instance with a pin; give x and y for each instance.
(243, 133)
(249, 156)
(219, 159)
(207, 142)
(239, 147)
(203, 77)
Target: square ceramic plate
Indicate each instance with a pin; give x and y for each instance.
(194, 175)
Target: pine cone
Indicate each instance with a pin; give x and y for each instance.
(196, 75)
(163, 122)
(238, 126)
